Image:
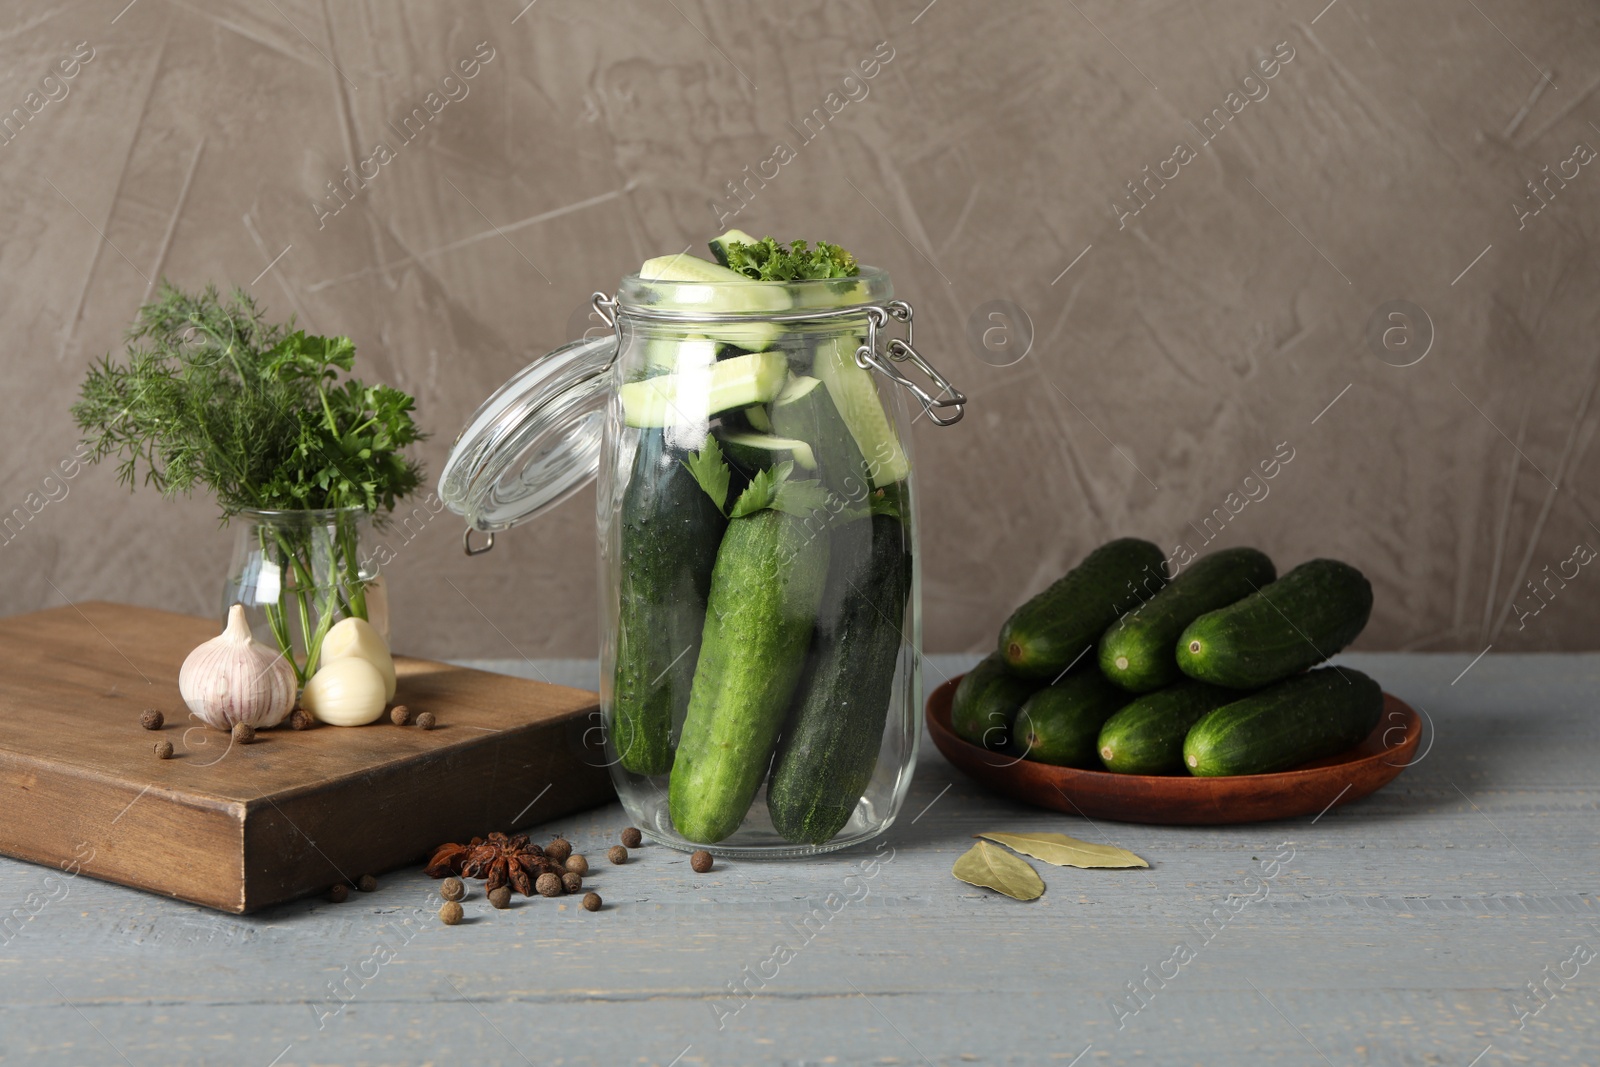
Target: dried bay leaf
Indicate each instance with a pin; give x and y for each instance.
(1064, 851)
(995, 868)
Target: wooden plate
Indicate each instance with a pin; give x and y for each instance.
(1181, 800)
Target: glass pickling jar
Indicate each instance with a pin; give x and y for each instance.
(760, 683)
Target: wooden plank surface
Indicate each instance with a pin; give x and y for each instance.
(1403, 929)
(238, 827)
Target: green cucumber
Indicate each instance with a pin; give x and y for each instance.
(756, 416)
(669, 534)
(688, 397)
(986, 703)
(1146, 737)
(835, 728)
(1316, 714)
(805, 411)
(765, 589)
(1060, 724)
(1294, 623)
(749, 452)
(855, 395)
(1137, 652)
(1046, 635)
(733, 294)
(719, 245)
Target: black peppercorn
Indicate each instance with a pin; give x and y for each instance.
(151, 719)
(700, 862)
(591, 902)
(632, 838)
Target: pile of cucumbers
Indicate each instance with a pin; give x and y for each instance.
(1114, 666)
(764, 566)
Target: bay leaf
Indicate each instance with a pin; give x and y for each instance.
(1064, 851)
(995, 868)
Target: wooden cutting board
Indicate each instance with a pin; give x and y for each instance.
(239, 827)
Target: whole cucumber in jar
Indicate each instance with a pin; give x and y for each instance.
(834, 731)
(765, 590)
(670, 532)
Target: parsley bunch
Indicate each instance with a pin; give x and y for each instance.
(768, 261)
(213, 396)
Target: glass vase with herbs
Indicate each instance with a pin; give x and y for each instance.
(301, 456)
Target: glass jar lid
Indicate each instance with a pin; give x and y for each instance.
(535, 441)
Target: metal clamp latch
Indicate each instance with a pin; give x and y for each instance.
(900, 351)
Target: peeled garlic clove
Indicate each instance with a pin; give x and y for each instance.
(358, 637)
(233, 679)
(346, 692)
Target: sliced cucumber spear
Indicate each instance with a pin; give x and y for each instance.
(855, 394)
(745, 296)
(758, 451)
(804, 411)
(719, 245)
(690, 397)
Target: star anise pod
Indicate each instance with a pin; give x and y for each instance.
(448, 859)
(500, 859)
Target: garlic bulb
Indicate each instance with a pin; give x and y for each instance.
(345, 692)
(358, 637)
(234, 679)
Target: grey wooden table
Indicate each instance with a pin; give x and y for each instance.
(1450, 919)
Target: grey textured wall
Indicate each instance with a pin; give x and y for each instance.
(1174, 348)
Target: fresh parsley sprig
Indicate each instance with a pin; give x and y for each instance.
(768, 260)
(771, 488)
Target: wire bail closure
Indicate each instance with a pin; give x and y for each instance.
(900, 351)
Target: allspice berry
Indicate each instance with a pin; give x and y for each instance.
(577, 865)
(338, 893)
(632, 838)
(244, 733)
(163, 750)
(151, 719)
(549, 885)
(300, 719)
(367, 884)
(452, 889)
(400, 715)
(426, 721)
(500, 897)
(572, 881)
(700, 862)
(591, 902)
(559, 849)
(617, 854)
(450, 913)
